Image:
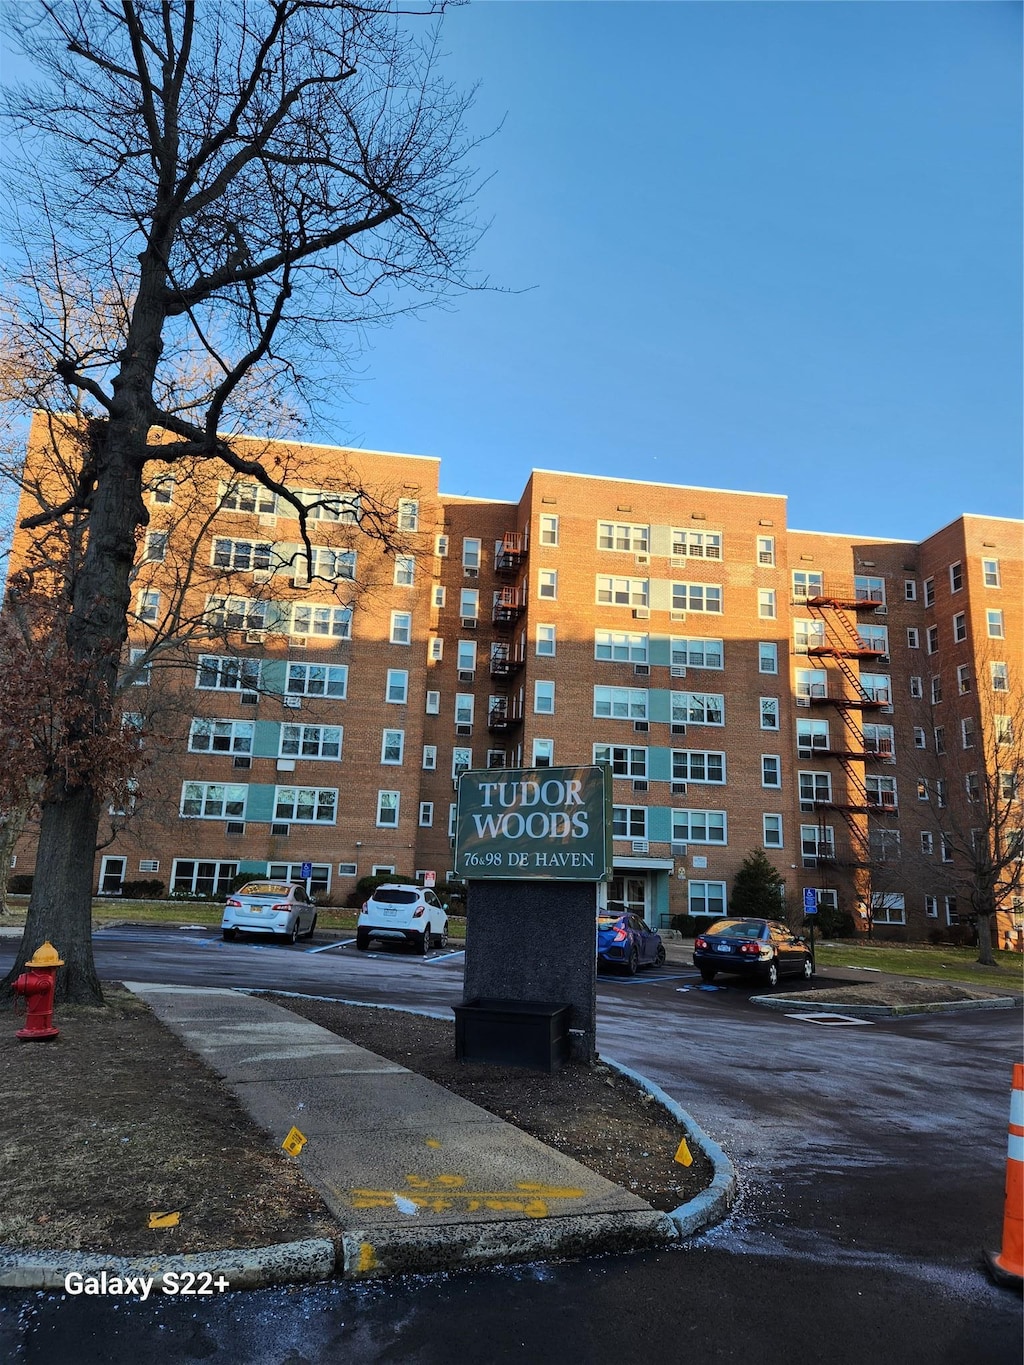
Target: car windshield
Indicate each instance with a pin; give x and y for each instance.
(264, 889)
(392, 897)
(737, 928)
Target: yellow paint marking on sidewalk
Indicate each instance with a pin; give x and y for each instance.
(367, 1258)
(294, 1142)
(448, 1192)
(164, 1220)
(683, 1154)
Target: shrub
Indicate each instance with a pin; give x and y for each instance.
(366, 886)
(689, 926)
(148, 888)
(832, 923)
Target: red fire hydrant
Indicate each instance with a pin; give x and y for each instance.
(37, 986)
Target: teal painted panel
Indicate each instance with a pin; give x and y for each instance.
(659, 765)
(250, 866)
(273, 675)
(659, 900)
(660, 651)
(260, 805)
(267, 739)
(659, 705)
(659, 824)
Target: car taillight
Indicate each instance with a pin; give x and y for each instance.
(418, 912)
(280, 907)
(236, 904)
(700, 943)
(750, 948)
(620, 936)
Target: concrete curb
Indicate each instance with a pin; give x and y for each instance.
(712, 1204)
(804, 1006)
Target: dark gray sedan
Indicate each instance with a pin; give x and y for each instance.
(761, 948)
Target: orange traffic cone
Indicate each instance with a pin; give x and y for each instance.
(1008, 1267)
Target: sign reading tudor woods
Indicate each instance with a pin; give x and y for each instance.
(535, 823)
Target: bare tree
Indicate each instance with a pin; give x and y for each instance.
(228, 193)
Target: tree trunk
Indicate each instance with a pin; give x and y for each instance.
(985, 955)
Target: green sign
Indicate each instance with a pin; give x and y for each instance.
(536, 823)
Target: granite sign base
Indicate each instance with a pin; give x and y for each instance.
(535, 941)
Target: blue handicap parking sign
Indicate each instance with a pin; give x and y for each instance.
(810, 901)
(306, 870)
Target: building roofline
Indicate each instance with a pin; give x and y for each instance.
(468, 497)
(845, 535)
(976, 516)
(324, 445)
(655, 483)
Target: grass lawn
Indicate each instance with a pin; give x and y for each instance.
(923, 960)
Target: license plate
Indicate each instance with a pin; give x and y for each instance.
(255, 910)
(392, 912)
(725, 948)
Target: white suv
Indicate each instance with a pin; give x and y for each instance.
(398, 912)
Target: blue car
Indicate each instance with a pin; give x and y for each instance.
(625, 941)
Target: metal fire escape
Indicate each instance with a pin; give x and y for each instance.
(509, 605)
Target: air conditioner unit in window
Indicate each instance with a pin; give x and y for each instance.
(677, 671)
(293, 703)
(642, 559)
(678, 788)
(679, 850)
(642, 670)
(677, 616)
(886, 710)
(883, 610)
(280, 831)
(463, 729)
(469, 623)
(639, 785)
(298, 642)
(641, 613)
(466, 675)
(641, 726)
(810, 862)
(470, 573)
(243, 762)
(640, 846)
(268, 519)
(255, 637)
(803, 701)
(262, 575)
(235, 827)
(249, 698)
(300, 579)
(678, 729)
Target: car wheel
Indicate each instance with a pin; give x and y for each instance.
(292, 935)
(441, 940)
(423, 947)
(708, 974)
(229, 935)
(312, 927)
(772, 974)
(362, 940)
(634, 961)
(659, 957)
(808, 969)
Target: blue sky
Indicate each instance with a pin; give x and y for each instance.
(760, 246)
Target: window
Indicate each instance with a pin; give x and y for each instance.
(706, 898)
(1000, 677)
(544, 698)
(429, 758)
(929, 592)
(247, 497)
(698, 765)
(426, 814)
(392, 747)
(910, 589)
(927, 842)
(972, 787)
(143, 671)
(435, 649)
(405, 571)
(699, 827)
(220, 736)
(916, 686)
(940, 793)
(960, 627)
(620, 703)
(888, 907)
(213, 800)
(967, 733)
(222, 673)
(766, 550)
(881, 792)
(769, 713)
(311, 741)
(868, 589)
(990, 572)
(629, 822)
(806, 584)
(620, 646)
(815, 788)
(408, 514)
(913, 637)
(920, 738)
(767, 657)
(771, 826)
(697, 708)
(464, 708)
(441, 547)
(466, 656)
(922, 789)
(931, 907)
(697, 544)
(817, 842)
(879, 739)
(808, 635)
(470, 555)
(939, 733)
(811, 736)
(1003, 727)
(545, 641)
(461, 760)
(397, 686)
(495, 758)
(963, 679)
(469, 604)
(697, 653)
(625, 761)
(303, 618)
(946, 852)
(613, 535)
(156, 547)
(811, 682)
(149, 605)
(388, 805)
(242, 555)
(932, 637)
(771, 770)
(621, 592)
(543, 753)
(765, 603)
(956, 576)
(875, 638)
(163, 491)
(952, 916)
(936, 689)
(203, 878)
(547, 583)
(401, 627)
(437, 596)
(318, 680)
(1008, 783)
(452, 811)
(548, 529)
(306, 805)
(876, 687)
(705, 597)
(432, 703)
(884, 845)
(993, 619)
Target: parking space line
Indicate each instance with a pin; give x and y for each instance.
(828, 1020)
(457, 952)
(326, 947)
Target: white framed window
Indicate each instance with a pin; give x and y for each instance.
(144, 672)
(945, 849)
(306, 805)
(405, 571)
(441, 547)
(973, 787)
(221, 673)
(874, 637)
(879, 739)
(771, 770)
(807, 583)
(881, 792)
(163, 490)
(247, 497)
(960, 627)
(548, 529)
(807, 634)
(432, 703)
(932, 639)
(620, 646)
(382, 869)
(452, 809)
(769, 712)
(811, 737)
(317, 680)
(706, 898)
(469, 604)
(888, 907)
(213, 800)
(963, 679)
(461, 760)
(910, 589)
(401, 628)
(699, 827)
(614, 535)
(931, 907)
(817, 841)
(328, 505)
(203, 878)
(310, 741)
(935, 686)
(543, 753)
(923, 792)
(305, 618)
(877, 687)
(696, 653)
(940, 793)
(697, 708)
(811, 682)
(437, 595)
(766, 603)
(927, 842)
(408, 514)
(1003, 728)
(330, 564)
(156, 547)
(916, 686)
(920, 737)
(388, 807)
(471, 554)
(426, 818)
(1000, 676)
(705, 597)
(545, 641)
(815, 788)
(697, 544)
(621, 592)
(766, 551)
(929, 592)
(867, 588)
(956, 576)
(939, 734)
(543, 698)
(625, 760)
(466, 656)
(913, 637)
(397, 690)
(767, 657)
(990, 573)
(495, 758)
(699, 765)
(464, 707)
(429, 758)
(994, 623)
(771, 831)
(547, 584)
(967, 733)
(148, 605)
(629, 822)
(620, 703)
(392, 747)
(435, 649)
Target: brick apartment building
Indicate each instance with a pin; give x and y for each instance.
(825, 697)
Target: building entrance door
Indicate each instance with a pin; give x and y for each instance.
(627, 894)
